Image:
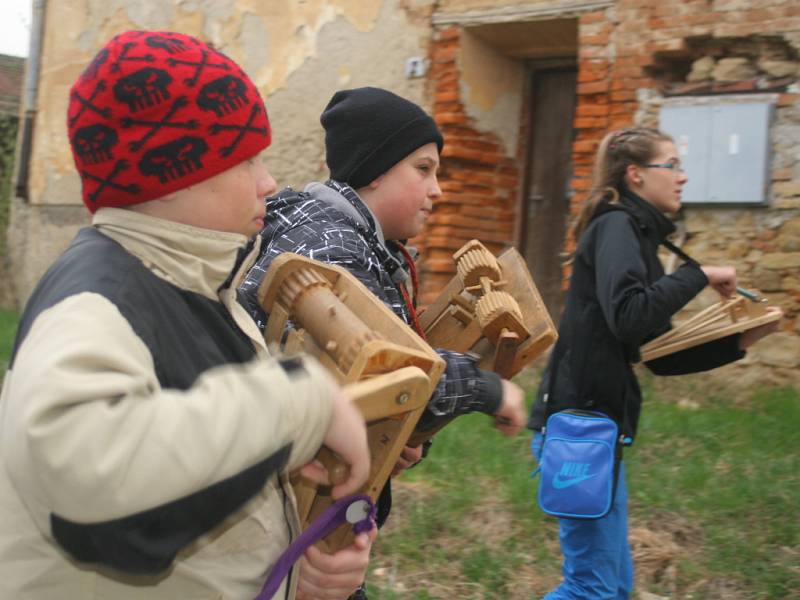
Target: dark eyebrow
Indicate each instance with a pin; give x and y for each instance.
(428, 159)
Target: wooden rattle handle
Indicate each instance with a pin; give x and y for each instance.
(338, 471)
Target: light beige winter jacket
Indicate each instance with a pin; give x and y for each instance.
(87, 433)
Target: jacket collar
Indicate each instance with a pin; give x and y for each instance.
(196, 259)
(345, 199)
(651, 221)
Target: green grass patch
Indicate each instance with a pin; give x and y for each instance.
(8, 330)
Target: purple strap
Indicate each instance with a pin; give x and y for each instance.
(336, 514)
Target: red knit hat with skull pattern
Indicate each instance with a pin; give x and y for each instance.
(156, 112)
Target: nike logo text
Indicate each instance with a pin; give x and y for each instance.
(572, 474)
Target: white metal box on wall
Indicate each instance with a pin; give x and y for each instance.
(724, 147)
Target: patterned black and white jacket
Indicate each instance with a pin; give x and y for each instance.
(330, 223)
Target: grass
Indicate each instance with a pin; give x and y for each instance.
(8, 330)
(714, 499)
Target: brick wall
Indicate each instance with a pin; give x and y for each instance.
(480, 184)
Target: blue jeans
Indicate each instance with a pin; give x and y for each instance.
(597, 557)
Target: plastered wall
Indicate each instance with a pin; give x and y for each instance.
(299, 52)
(479, 5)
(492, 88)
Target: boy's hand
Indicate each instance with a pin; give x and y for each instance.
(510, 417)
(722, 279)
(335, 576)
(347, 437)
(410, 456)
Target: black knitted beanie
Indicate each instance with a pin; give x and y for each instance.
(368, 130)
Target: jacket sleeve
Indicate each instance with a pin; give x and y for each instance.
(704, 357)
(463, 388)
(633, 308)
(122, 472)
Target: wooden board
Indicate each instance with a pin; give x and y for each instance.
(715, 322)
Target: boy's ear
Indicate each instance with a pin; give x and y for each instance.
(373, 185)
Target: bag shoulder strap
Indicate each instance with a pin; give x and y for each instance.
(679, 252)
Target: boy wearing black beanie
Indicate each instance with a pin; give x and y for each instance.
(383, 154)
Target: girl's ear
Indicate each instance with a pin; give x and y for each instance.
(633, 175)
(373, 185)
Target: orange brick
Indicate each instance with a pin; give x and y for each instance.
(590, 123)
(592, 52)
(592, 73)
(447, 96)
(451, 33)
(592, 110)
(598, 87)
(594, 40)
(625, 72)
(445, 55)
(462, 153)
(585, 146)
(702, 19)
(493, 158)
(623, 96)
(760, 15)
(592, 17)
(621, 122)
(443, 86)
(581, 184)
(447, 118)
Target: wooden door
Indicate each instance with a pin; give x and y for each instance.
(545, 207)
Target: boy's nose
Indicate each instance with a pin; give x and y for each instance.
(267, 185)
(436, 192)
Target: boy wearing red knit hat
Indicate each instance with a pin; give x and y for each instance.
(145, 431)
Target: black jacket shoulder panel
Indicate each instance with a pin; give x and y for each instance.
(185, 332)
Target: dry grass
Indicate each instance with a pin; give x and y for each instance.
(490, 521)
(658, 547)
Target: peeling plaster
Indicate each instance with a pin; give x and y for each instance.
(346, 57)
(255, 37)
(492, 88)
(299, 52)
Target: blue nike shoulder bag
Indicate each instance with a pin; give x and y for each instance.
(579, 464)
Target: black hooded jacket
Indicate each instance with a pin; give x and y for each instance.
(619, 298)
